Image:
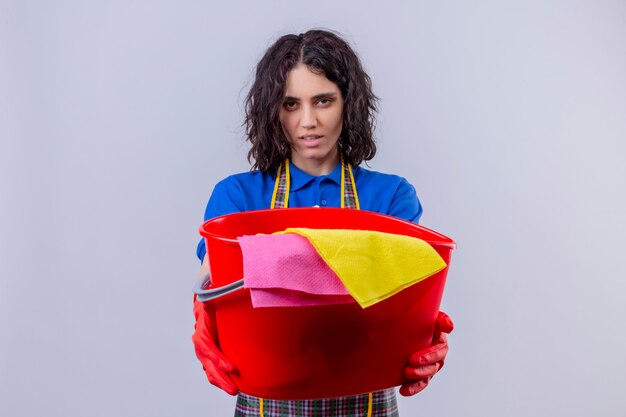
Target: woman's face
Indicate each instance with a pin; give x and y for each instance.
(312, 118)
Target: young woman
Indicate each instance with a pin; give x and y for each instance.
(310, 119)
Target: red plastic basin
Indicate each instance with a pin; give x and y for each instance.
(319, 351)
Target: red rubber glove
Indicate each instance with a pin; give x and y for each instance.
(216, 366)
(423, 365)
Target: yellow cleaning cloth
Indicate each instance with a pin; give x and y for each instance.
(373, 265)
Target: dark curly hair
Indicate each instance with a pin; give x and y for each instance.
(323, 52)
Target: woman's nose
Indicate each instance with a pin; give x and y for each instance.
(309, 118)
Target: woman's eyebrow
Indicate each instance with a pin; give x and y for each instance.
(315, 97)
(323, 95)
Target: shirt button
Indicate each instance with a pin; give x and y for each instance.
(323, 202)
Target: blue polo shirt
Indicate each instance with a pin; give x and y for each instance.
(378, 192)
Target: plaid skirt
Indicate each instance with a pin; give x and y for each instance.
(383, 404)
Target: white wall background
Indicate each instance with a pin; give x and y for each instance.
(116, 119)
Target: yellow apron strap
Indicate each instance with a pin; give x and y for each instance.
(349, 196)
(287, 183)
(261, 407)
(280, 196)
(278, 173)
(353, 183)
(343, 186)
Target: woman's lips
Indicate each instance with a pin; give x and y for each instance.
(311, 141)
(310, 137)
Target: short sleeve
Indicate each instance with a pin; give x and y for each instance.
(405, 203)
(226, 198)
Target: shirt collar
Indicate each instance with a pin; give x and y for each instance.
(300, 178)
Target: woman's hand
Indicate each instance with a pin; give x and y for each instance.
(423, 365)
(216, 366)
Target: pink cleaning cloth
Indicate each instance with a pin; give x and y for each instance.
(286, 271)
(277, 297)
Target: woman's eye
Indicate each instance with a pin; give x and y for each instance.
(290, 105)
(324, 101)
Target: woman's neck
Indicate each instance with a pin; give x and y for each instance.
(317, 167)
